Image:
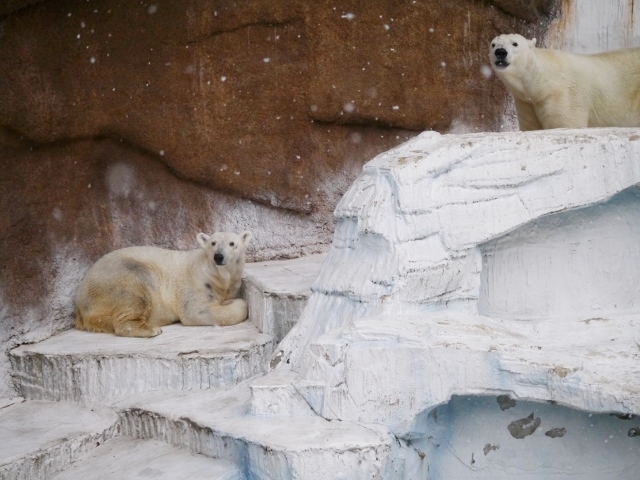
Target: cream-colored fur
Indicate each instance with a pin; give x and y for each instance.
(132, 292)
(556, 89)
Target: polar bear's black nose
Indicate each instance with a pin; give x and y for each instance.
(218, 258)
(501, 53)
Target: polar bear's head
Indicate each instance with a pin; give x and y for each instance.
(507, 50)
(224, 248)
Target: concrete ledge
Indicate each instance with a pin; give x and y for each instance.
(92, 368)
(277, 291)
(274, 394)
(39, 439)
(124, 458)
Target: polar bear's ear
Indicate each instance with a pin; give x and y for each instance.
(246, 237)
(202, 239)
(533, 42)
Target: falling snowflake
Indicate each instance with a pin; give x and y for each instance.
(486, 71)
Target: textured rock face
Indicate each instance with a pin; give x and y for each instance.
(125, 124)
(474, 264)
(230, 95)
(50, 437)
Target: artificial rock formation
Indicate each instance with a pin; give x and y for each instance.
(493, 262)
(470, 268)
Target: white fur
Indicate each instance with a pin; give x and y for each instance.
(557, 89)
(134, 291)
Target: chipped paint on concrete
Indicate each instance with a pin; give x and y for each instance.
(596, 26)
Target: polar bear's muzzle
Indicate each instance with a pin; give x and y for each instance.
(219, 258)
(501, 57)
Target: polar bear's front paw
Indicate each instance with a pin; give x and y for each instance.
(137, 329)
(155, 331)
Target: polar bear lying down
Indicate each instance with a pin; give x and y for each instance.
(556, 89)
(132, 292)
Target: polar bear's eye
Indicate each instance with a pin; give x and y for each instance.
(493, 45)
(231, 244)
(213, 244)
(515, 44)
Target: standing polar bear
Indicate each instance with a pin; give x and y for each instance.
(134, 291)
(556, 89)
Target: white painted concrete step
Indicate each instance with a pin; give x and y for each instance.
(95, 368)
(39, 439)
(277, 291)
(218, 424)
(275, 395)
(129, 458)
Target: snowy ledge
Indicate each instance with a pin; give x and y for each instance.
(479, 264)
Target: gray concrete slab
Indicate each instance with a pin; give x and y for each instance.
(129, 458)
(39, 439)
(92, 368)
(277, 291)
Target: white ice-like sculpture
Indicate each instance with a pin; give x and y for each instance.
(478, 264)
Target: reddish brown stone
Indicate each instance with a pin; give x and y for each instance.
(237, 96)
(530, 10)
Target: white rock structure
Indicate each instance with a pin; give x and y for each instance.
(477, 316)
(479, 264)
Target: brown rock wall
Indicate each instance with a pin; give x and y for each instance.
(229, 94)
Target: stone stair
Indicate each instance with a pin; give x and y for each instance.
(277, 292)
(275, 395)
(219, 424)
(39, 439)
(190, 403)
(162, 461)
(90, 368)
